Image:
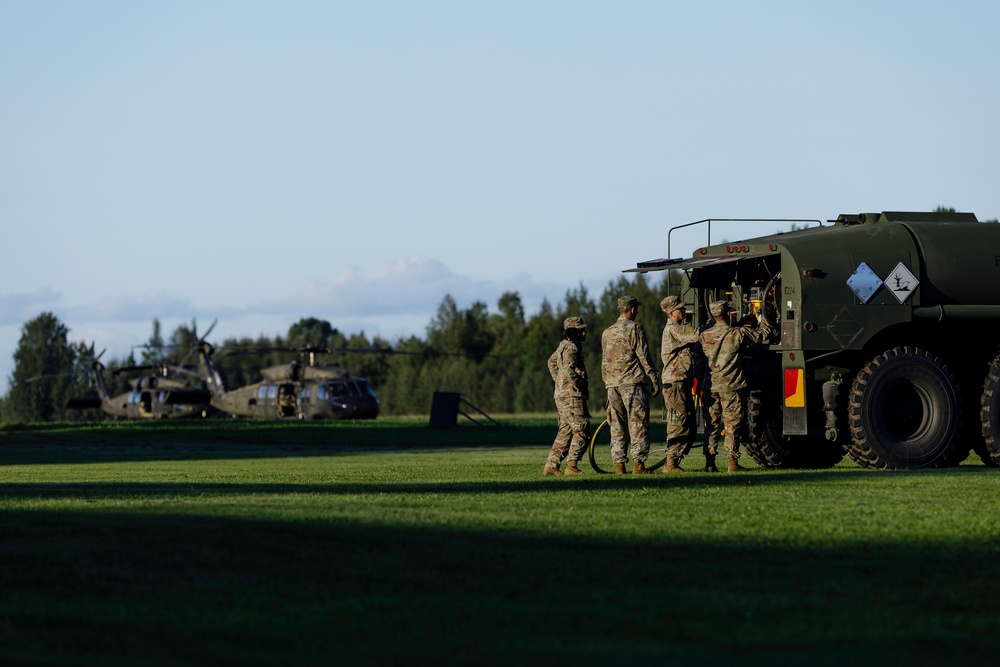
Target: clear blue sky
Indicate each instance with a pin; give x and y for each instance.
(261, 162)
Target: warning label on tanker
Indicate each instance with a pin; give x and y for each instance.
(864, 282)
(901, 282)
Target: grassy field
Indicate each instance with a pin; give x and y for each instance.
(390, 543)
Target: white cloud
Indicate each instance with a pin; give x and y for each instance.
(405, 287)
(130, 309)
(20, 307)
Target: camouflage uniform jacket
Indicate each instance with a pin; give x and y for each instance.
(625, 357)
(724, 346)
(569, 371)
(676, 351)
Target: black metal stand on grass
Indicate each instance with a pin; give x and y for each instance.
(445, 410)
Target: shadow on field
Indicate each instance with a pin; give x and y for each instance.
(589, 482)
(217, 440)
(246, 440)
(319, 432)
(138, 588)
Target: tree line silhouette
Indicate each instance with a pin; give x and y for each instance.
(495, 359)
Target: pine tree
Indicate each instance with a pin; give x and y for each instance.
(43, 351)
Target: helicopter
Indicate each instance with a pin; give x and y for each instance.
(155, 396)
(296, 390)
(293, 390)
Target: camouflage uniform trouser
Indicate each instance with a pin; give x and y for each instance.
(628, 417)
(734, 418)
(679, 403)
(711, 410)
(573, 435)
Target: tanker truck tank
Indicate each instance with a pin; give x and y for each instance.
(880, 349)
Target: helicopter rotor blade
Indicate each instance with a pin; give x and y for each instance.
(49, 376)
(181, 369)
(127, 369)
(161, 367)
(188, 355)
(200, 341)
(429, 352)
(212, 326)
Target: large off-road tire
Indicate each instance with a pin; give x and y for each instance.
(989, 415)
(905, 411)
(600, 452)
(771, 449)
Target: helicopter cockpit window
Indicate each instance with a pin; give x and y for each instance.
(262, 391)
(272, 391)
(304, 395)
(366, 388)
(321, 392)
(338, 389)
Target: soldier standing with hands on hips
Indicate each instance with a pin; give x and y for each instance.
(569, 372)
(676, 352)
(625, 365)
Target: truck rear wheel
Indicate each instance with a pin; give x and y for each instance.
(905, 411)
(989, 413)
(771, 449)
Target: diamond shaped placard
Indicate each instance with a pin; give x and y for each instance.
(864, 282)
(901, 282)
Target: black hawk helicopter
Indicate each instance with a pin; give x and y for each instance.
(155, 396)
(296, 390)
(293, 390)
(287, 391)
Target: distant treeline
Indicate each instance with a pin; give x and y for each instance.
(495, 358)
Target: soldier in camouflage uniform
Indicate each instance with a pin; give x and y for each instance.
(676, 352)
(625, 365)
(724, 347)
(711, 410)
(569, 372)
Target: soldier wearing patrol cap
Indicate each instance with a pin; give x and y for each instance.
(626, 363)
(569, 373)
(725, 348)
(676, 352)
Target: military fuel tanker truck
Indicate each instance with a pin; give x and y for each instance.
(885, 337)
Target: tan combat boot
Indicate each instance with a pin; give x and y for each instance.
(710, 464)
(572, 469)
(639, 468)
(672, 465)
(620, 468)
(550, 471)
(734, 465)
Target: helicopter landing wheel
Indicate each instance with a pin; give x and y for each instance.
(600, 452)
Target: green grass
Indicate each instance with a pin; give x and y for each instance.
(390, 543)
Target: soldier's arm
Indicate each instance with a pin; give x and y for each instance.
(554, 366)
(752, 334)
(766, 330)
(574, 367)
(645, 356)
(687, 335)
